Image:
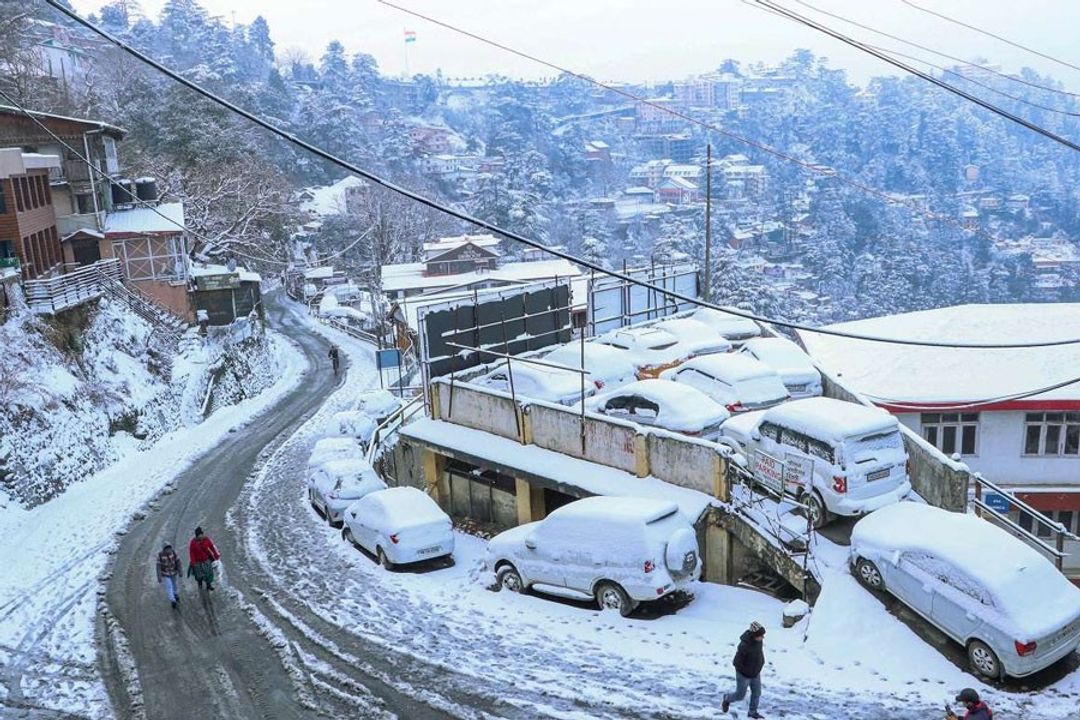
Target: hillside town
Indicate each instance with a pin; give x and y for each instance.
(331, 392)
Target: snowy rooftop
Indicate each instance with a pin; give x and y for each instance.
(905, 373)
(204, 269)
(831, 419)
(561, 469)
(146, 220)
(411, 275)
(319, 273)
(330, 199)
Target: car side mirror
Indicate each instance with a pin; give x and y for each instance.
(530, 543)
(755, 435)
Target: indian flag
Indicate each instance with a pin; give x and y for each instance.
(410, 36)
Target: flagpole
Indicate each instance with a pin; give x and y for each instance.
(406, 33)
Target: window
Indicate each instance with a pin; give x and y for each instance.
(793, 439)
(952, 432)
(17, 191)
(1052, 434)
(3, 200)
(770, 431)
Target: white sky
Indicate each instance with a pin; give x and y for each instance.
(651, 39)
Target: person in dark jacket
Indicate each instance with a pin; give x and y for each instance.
(201, 557)
(335, 357)
(169, 572)
(976, 708)
(749, 659)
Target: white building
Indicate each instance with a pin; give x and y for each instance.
(977, 403)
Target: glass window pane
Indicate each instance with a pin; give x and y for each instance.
(1065, 517)
(970, 417)
(931, 435)
(931, 418)
(950, 417)
(1042, 530)
(1053, 435)
(967, 440)
(1073, 417)
(1025, 521)
(948, 439)
(1031, 439)
(1034, 417)
(1055, 417)
(1072, 440)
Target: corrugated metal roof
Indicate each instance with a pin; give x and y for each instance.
(146, 220)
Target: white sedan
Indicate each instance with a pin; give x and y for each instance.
(398, 526)
(734, 327)
(538, 382)
(700, 338)
(335, 484)
(653, 350)
(608, 366)
(663, 404)
(795, 367)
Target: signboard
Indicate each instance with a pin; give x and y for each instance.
(769, 471)
(615, 303)
(224, 281)
(798, 474)
(998, 502)
(389, 358)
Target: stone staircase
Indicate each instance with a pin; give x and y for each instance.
(166, 326)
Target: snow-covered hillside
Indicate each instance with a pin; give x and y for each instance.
(79, 392)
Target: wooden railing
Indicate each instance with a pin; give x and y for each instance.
(55, 294)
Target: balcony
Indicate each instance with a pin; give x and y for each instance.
(52, 295)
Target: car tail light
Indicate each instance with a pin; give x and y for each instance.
(1023, 649)
(839, 483)
(394, 538)
(649, 566)
(659, 591)
(334, 495)
(692, 433)
(599, 384)
(735, 407)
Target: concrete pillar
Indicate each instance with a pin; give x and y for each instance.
(436, 484)
(530, 502)
(641, 455)
(717, 554)
(721, 491)
(525, 423)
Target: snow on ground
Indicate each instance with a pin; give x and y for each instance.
(850, 658)
(58, 550)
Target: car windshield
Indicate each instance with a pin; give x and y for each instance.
(662, 346)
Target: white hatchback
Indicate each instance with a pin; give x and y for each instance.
(538, 382)
(734, 327)
(336, 484)
(400, 525)
(737, 382)
(801, 378)
(662, 404)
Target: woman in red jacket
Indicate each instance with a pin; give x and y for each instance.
(201, 557)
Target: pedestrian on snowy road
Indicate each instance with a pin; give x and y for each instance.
(335, 357)
(976, 708)
(201, 557)
(169, 572)
(748, 662)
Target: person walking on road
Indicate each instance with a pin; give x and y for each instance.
(169, 573)
(748, 662)
(335, 357)
(201, 557)
(976, 708)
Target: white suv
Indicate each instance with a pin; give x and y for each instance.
(619, 551)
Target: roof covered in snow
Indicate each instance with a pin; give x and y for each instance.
(411, 276)
(165, 218)
(885, 372)
(329, 199)
(831, 419)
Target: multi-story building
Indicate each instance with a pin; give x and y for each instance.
(27, 220)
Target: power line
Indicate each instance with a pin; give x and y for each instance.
(954, 58)
(101, 173)
(979, 30)
(808, 22)
(491, 227)
(925, 407)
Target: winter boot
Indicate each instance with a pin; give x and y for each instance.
(725, 704)
(174, 604)
(756, 716)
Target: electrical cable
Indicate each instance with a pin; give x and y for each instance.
(925, 407)
(954, 58)
(847, 40)
(138, 201)
(979, 30)
(826, 172)
(491, 227)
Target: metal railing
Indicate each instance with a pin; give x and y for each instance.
(55, 294)
(1056, 529)
(391, 425)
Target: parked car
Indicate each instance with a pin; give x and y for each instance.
(378, 404)
(400, 525)
(653, 350)
(539, 382)
(796, 368)
(700, 339)
(608, 366)
(355, 424)
(334, 448)
(838, 457)
(733, 327)
(737, 382)
(334, 485)
(617, 551)
(986, 589)
(662, 404)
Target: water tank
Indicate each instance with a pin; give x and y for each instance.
(120, 195)
(146, 189)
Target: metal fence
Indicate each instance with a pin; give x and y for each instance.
(1056, 530)
(55, 294)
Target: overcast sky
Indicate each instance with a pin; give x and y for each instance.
(651, 39)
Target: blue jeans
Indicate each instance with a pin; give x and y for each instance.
(170, 586)
(741, 683)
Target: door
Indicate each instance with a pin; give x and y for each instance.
(543, 557)
(909, 580)
(959, 604)
(85, 252)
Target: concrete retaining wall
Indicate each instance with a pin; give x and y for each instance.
(606, 442)
(476, 409)
(687, 464)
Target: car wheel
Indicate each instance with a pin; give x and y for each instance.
(383, 560)
(819, 515)
(868, 575)
(508, 578)
(347, 536)
(983, 660)
(610, 596)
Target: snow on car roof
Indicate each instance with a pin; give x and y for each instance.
(682, 407)
(779, 351)
(712, 316)
(1025, 585)
(404, 507)
(628, 509)
(605, 361)
(730, 367)
(649, 334)
(830, 419)
(687, 328)
(341, 467)
(331, 444)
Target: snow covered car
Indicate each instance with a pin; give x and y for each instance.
(539, 382)
(653, 350)
(989, 591)
(662, 404)
(618, 551)
(334, 485)
(608, 366)
(355, 424)
(398, 526)
(378, 404)
(795, 367)
(737, 382)
(701, 339)
(838, 457)
(334, 448)
(734, 327)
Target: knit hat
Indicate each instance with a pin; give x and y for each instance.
(968, 695)
(757, 628)
(198, 531)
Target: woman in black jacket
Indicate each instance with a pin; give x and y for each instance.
(749, 659)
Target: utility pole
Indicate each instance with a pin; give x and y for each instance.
(708, 222)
